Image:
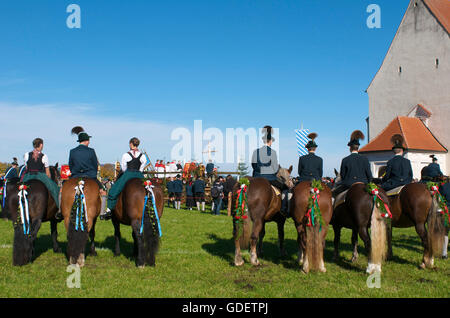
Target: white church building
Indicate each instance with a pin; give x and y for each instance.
(410, 93)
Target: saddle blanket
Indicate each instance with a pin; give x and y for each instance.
(395, 191)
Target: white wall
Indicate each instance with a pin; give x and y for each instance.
(420, 40)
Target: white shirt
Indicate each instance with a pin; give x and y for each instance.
(44, 159)
(127, 158)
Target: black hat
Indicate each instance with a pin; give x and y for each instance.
(267, 131)
(82, 135)
(397, 141)
(355, 137)
(15, 162)
(311, 143)
(433, 157)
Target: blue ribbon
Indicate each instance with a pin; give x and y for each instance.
(79, 214)
(143, 214)
(156, 214)
(4, 192)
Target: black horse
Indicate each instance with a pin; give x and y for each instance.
(41, 207)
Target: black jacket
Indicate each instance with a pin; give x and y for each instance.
(83, 162)
(355, 168)
(398, 172)
(310, 167)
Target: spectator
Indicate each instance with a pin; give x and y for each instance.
(217, 195)
(189, 195)
(199, 191)
(170, 192)
(178, 189)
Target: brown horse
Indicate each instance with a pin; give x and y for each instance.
(263, 205)
(358, 213)
(81, 225)
(129, 210)
(414, 206)
(41, 208)
(311, 239)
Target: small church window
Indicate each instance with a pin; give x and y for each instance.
(437, 63)
(399, 69)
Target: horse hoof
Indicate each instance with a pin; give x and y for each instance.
(57, 250)
(239, 262)
(323, 270)
(422, 266)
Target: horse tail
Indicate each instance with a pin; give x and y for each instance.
(151, 236)
(377, 236)
(77, 237)
(314, 247)
(436, 228)
(22, 247)
(244, 239)
(241, 220)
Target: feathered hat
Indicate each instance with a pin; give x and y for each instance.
(355, 137)
(311, 143)
(267, 131)
(15, 161)
(433, 158)
(397, 141)
(82, 135)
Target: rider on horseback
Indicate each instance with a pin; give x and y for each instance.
(133, 164)
(432, 172)
(83, 162)
(310, 166)
(37, 168)
(355, 167)
(11, 172)
(265, 165)
(398, 170)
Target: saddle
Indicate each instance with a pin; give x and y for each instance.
(395, 191)
(340, 199)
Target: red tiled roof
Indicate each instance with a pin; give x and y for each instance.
(417, 136)
(441, 10)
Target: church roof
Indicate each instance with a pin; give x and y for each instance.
(417, 136)
(441, 11)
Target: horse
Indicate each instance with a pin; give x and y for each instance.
(41, 208)
(311, 235)
(264, 205)
(359, 212)
(80, 216)
(415, 206)
(129, 211)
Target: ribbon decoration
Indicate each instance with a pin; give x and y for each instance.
(23, 208)
(434, 189)
(4, 193)
(241, 203)
(313, 214)
(80, 200)
(376, 197)
(149, 192)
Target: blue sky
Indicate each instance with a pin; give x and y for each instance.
(147, 67)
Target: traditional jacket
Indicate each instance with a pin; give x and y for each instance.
(199, 186)
(265, 163)
(310, 167)
(398, 172)
(355, 168)
(83, 162)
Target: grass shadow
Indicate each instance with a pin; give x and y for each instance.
(223, 248)
(126, 247)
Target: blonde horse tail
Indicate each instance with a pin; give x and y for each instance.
(436, 229)
(378, 249)
(314, 247)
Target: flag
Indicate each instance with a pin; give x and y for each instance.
(302, 139)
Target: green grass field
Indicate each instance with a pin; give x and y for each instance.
(196, 260)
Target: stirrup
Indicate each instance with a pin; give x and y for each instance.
(106, 216)
(59, 216)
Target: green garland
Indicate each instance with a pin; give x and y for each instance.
(373, 190)
(433, 187)
(314, 215)
(241, 204)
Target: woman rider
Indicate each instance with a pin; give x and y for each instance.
(37, 168)
(133, 164)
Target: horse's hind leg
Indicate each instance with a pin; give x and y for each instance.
(257, 227)
(427, 257)
(260, 241)
(92, 251)
(54, 233)
(139, 244)
(355, 245)
(337, 241)
(238, 260)
(116, 237)
(280, 226)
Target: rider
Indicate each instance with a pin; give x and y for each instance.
(83, 162)
(310, 166)
(133, 164)
(11, 173)
(433, 170)
(398, 170)
(355, 167)
(265, 165)
(37, 168)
